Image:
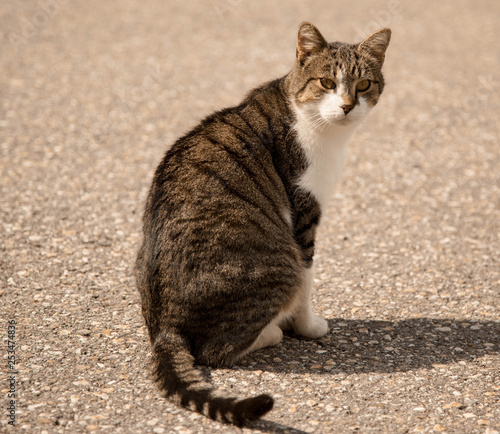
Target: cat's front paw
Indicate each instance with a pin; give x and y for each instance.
(313, 327)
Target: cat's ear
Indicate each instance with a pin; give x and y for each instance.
(376, 44)
(309, 41)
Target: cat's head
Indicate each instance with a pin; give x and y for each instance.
(336, 83)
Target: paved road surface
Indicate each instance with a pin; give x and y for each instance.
(408, 275)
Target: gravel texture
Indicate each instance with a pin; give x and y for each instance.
(408, 275)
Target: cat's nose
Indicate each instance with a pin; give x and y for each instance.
(347, 108)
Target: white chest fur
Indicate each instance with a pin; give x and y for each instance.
(325, 151)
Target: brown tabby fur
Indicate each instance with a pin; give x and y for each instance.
(220, 259)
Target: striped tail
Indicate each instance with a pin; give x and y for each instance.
(173, 368)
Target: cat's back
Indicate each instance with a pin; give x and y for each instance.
(225, 164)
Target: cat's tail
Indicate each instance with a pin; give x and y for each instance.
(173, 368)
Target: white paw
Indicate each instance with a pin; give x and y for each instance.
(271, 335)
(311, 327)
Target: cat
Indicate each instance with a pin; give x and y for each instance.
(230, 220)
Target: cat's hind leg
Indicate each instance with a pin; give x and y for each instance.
(270, 335)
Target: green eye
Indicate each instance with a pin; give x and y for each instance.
(327, 83)
(363, 85)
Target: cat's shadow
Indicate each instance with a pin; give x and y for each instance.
(367, 346)
(370, 346)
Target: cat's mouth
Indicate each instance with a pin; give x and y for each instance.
(340, 119)
(321, 117)
(345, 120)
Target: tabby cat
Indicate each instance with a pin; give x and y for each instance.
(230, 221)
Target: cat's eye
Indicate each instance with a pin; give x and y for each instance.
(363, 85)
(327, 83)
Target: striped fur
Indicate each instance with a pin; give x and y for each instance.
(230, 220)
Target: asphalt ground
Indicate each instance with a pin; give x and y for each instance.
(92, 93)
